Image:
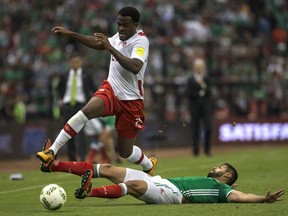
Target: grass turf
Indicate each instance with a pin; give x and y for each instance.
(259, 170)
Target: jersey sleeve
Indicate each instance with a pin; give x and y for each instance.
(140, 49)
(224, 192)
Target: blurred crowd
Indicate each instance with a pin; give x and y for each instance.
(244, 44)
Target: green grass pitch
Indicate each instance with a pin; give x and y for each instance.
(260, 169)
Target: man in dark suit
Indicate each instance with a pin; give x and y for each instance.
(74, 90)
(200, 106)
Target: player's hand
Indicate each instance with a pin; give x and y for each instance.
(60, 30)
(103, 40)
(273, 197)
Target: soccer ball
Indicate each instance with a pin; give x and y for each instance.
(53, 197)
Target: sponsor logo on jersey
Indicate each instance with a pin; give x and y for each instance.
(140, 51)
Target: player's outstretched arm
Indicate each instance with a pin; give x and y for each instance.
(240, 197)
(89, 41)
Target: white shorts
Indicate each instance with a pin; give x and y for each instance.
(161, 191)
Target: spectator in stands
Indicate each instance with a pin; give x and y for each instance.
(75, 87)
(198, 91)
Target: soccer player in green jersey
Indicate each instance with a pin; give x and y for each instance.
(217, 187)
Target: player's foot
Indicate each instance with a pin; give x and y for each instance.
(86, 185)
(154, 163)
(45, 167)
(46, 155)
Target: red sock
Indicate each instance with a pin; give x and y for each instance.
(110, 191)
(77, 168)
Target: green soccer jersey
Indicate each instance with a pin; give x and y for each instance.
(202, 189)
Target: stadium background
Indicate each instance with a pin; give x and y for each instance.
(243, 42)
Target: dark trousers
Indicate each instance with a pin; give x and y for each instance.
(199, 128)
(77, 145)
(201, 124)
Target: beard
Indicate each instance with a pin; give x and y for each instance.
(214, 175)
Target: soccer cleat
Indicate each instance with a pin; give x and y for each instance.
(86, 185)
(45, 167)
(46, 155)
(154, 162)
(47, 145)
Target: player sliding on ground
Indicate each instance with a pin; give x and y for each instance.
(217, 187)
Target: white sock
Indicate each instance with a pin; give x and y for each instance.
(138, 157)
(96, 171)
(76, 122)
(124, 189)
(61, 139)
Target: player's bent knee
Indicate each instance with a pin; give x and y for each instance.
(124, 154)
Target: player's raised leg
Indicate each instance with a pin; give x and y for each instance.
(71, 128)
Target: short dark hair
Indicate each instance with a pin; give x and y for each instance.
(132, 12)
(233, 172)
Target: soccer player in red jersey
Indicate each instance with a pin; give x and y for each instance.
(121, 94)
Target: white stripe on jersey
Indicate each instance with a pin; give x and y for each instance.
(201, 192)
(125, 84)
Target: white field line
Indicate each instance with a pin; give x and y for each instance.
(32, 187)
